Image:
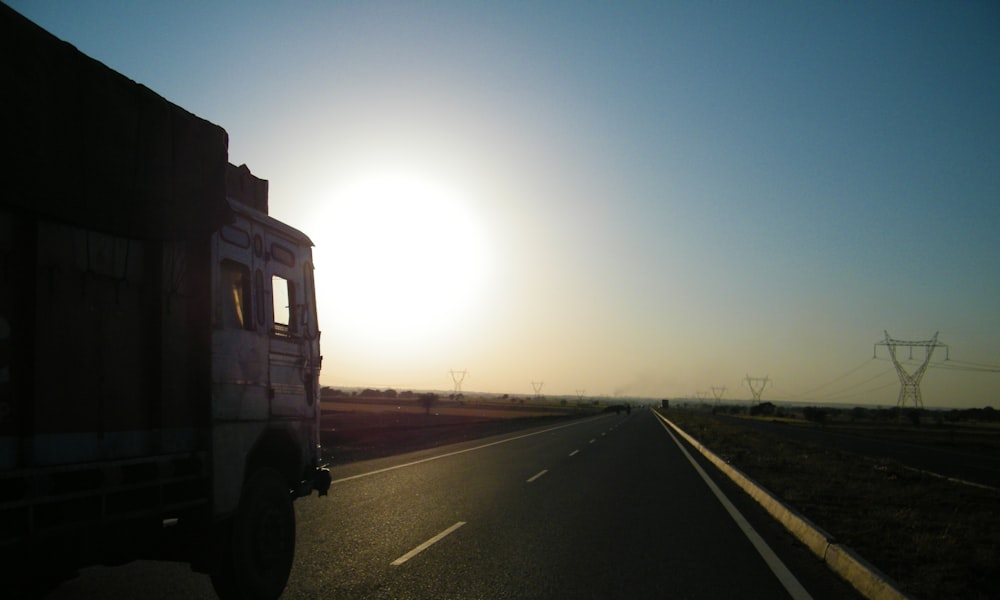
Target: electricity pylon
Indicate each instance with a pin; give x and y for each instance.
(752, 383)
(458, 377)
(909, 383)
(537, 386)
(718, 392)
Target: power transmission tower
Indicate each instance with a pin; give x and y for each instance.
(718, 392)
(757, 385)
(458, 377)
(909, 383)
(537, 386)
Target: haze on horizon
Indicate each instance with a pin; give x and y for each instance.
(636, 199)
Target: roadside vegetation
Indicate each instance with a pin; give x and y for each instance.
(936, 538)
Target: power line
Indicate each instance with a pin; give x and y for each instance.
(838, 378)
(863, 392)
(958, 365)
(861, 383)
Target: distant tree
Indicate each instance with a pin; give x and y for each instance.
(764, 409)
(390, 393)
(914, 416)
(427, 400)
(814, 414)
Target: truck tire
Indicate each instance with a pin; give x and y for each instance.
(257, 548)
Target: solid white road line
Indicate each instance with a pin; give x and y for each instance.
(784, 575)
(402, 559)
(538, 474)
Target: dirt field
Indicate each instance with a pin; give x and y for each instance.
(353, 429)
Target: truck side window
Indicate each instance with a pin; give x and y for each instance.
(285, 313)
(235, 300)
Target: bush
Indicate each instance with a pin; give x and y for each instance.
(814, 414)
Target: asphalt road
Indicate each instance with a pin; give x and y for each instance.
(605, 507)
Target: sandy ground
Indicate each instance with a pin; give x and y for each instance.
(347, 414)
(353, 429)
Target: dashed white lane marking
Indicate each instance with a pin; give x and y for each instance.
(574, 453)
(538, 474)
(402, 559)
(592, 441)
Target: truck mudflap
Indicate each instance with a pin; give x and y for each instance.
(316, 478)
(322, 481)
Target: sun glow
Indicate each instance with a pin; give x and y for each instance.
(403, 260)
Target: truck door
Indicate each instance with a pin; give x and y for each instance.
(293, 354)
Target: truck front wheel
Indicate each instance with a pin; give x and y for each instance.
(256, 552)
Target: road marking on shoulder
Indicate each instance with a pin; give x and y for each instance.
(457, 452)
(537, 475)
(784, 575)
(574, 453)
(402, 559)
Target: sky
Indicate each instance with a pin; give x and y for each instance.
(614, 199)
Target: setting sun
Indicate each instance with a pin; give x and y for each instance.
(403, 258)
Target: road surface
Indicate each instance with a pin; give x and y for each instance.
(604, 507)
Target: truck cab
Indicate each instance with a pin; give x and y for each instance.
(265, 347)
(265, 359)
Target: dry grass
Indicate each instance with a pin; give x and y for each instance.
(936, 538)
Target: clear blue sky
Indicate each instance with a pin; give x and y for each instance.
(621, 198)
